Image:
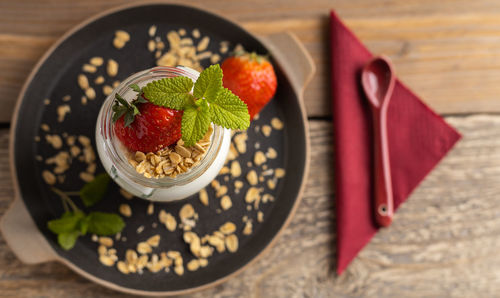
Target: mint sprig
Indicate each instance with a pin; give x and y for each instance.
(209, 102)
(75, 223)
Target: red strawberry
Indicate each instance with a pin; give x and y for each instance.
(153, 129)
(252, 78)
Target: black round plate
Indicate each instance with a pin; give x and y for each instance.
(57, 77)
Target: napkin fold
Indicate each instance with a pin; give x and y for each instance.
(418, 140)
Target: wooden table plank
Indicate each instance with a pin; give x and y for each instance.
(443, 242)
(447, 51)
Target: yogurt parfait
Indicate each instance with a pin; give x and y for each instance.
(164, 133)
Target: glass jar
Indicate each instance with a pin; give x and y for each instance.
(114, 158)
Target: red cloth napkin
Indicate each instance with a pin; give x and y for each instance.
(418, 140)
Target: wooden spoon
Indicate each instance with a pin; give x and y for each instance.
(378, 81)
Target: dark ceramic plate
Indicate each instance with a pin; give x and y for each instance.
(56, 76)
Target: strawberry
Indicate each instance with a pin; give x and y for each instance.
(252, 78)
(143, 126)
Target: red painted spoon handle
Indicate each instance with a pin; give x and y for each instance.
(384, 208)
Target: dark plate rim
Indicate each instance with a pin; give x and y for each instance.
(68, 263)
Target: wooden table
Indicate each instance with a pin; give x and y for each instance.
(443, 242)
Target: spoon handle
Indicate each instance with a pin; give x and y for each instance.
(383, 185)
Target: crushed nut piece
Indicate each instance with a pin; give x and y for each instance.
(112, 68)
(238, 184)
(152, 31)
(83, 82)
(187, 211)
(221, 191)
(49, 178)
(203, 44)
(228, 228)
(107, 90)
(106, 260)
(203, 197)
(170, 222)
(196, 33)
(247, 230)
(271, 184)
(225, 202)
(106, 241)
(235, 169)
(252, 195)
(279, 173)
(62, 110)
(153, 241)
(126, 194)
(96, 61)
(240, 141)
(259, 158)
(151, 45)
(276, 123)
(151, 209)
(179, 270)
(54, 140)
(122, 267)
(89, 68)
(90, 93)
(260, 216)
(87, 177)
(214, 58)
(144, 248)
(232, 243)
(252, 177)
(125, 210)
(203, 262)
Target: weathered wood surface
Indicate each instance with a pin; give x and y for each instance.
(448, 51)
(443, 242)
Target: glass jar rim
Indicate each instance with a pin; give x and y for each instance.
(119, 160)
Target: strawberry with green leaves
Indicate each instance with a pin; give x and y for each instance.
(172, 108)
(252, 78)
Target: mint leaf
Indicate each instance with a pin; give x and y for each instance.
(195, 122)
(209, 83)
(83, 225)
(104, 224)
(172, 93)
(95, 190)
(135, 87)
(67, 223)
(67, 240)
(229, 111)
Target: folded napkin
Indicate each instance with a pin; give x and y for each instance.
(418, 140)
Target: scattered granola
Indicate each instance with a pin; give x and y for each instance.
(187, 51)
